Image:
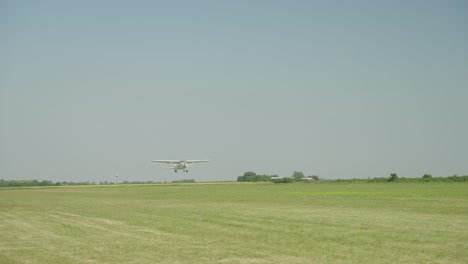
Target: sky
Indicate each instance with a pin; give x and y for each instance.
(338, 89)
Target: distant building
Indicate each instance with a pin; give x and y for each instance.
(278, 178)
(308, 179)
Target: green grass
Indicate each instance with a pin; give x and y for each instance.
(236, 223)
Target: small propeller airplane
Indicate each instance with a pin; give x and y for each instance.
(180, 164)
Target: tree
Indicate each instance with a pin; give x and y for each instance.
(248, 176)
(249, 173)
(393, 177)
(427, 176)
(298, 175)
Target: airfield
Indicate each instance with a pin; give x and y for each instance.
(315, 222)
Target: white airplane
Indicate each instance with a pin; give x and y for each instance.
(180, 164)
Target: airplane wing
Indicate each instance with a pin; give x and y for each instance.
(195, 161)
(167, 161)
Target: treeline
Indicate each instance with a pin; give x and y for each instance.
(394, 178)
(184, 181)
(298, 176)
(32, 183)
(247, 177)
(131, 182)
(251, 176)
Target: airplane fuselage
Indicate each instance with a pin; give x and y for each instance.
(180, 166)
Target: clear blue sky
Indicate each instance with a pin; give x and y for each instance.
(339, 89)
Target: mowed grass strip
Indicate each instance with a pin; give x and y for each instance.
(237, 223)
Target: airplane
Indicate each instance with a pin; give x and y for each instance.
(180, 164)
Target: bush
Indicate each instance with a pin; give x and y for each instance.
(283, 180)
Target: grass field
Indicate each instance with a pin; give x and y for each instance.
(236, 223)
